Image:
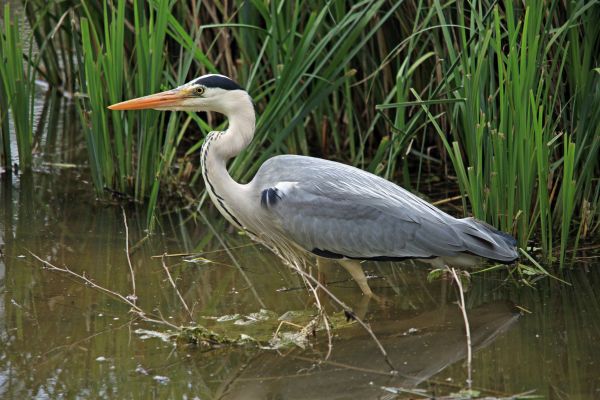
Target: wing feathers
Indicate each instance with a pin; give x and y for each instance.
(338, 209)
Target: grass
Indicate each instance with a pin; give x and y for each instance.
(511, 165)
(16, 89)
(310, 66)
(501, 97)
(128, 151)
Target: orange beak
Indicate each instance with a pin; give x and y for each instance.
(170, 98)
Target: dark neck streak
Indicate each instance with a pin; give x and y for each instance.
(209, 186)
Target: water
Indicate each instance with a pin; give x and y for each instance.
(62, 339)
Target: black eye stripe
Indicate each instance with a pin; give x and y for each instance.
(217, 81)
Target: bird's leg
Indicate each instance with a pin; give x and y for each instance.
(355, 270)
(322, 264)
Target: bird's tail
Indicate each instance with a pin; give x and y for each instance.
(486, 241)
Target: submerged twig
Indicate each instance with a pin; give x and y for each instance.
(133, 296)
(365, 326)
(125, 299)
(463, 309)
(322, 313)
(196, 254)
(175, 287)
(181, 331)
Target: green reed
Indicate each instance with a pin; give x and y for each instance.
(125, 149)
(16, 89)
(310, 65)
(504, 145)
(501, 99)
(54, 34)
(5, 150)
(309, 57)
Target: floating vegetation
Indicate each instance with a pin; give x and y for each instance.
(264, 329)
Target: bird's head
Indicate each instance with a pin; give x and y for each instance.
(206, 93)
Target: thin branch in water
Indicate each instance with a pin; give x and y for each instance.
(286, 323)
(135, 309)
(205, 252)
(175, 287)
(365, 326)
(322, 313)
(132, 296)
(463, 309)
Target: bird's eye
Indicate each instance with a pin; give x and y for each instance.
(199, 90)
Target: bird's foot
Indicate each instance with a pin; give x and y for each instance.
(382, 301)
(363, 306)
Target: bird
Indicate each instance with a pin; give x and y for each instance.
(300, 205)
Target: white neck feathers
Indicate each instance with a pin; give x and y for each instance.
(228, 195)
(239, 110)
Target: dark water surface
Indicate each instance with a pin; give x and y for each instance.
(62, 339)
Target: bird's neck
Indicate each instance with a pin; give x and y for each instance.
(240, 132)
(227, 194)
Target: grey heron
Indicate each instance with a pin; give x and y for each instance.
(302, 204)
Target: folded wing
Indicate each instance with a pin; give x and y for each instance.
(335, 210)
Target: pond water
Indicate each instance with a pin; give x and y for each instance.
(62, 339)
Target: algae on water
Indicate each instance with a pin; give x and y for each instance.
(263, 328)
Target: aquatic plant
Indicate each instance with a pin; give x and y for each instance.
(16, 93)
(502, 133)
(126, 155)
(499, 99)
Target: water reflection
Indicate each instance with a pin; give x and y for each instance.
(420, 347)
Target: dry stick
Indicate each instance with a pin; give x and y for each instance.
(175, 287)
(203, 252)
(448, 200)
(321, 312)
(134, 308)
(329, 336)
(356, 318)
(133, 296)
(461, 305)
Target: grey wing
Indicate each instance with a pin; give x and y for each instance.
(336, 210)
